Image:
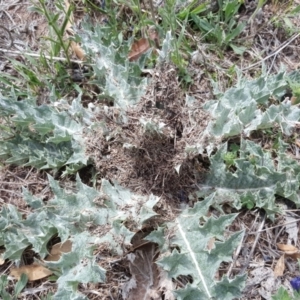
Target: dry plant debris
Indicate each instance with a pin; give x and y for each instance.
(150, 160)
(268, 252)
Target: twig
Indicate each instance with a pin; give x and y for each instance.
(9, 34)
(236, 254)
(283, 224)
(285, 44)
(17, 183)
(245, 266)
(12, 192)
(45, 56)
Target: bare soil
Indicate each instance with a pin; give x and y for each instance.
(148, 164)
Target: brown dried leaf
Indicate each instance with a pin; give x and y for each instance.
(295, 100)
(141, 46)
(2, 261)
(211, 243)
(33, 272)
(138, 48)
(71, 19)
(288, 249)
(145, 274)
(76, 48)
(58, 249)
(297, 142)
(279, 268)
(295, 256)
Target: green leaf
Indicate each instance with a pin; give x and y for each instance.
(146, 211)
(242, 109)
(176, 264)
(195, 259)
(127, 204)
(117, 233)
(256, 178)
(228, 289)
(296, 10)
(68, 292)
(157, 236)
(44, 137)
(152, 127)
(238, 49)
(235, 32)
(202, 23)
(15, 244)
(166, 47)
(77, 266)
(39, 232)
(31, 200)
(3, 285)
(119, 79)
(20, 284)
(281, 294)
(193, 8)
(124, 206)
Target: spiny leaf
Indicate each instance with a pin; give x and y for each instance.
(77, 266)
(125, 205)
(118, 78)
(157, 236)
(256, 179)
(195, 259)
(44, 137)
(166, 48)
(245, 108)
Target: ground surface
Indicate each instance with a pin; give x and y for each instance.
(152, 170)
